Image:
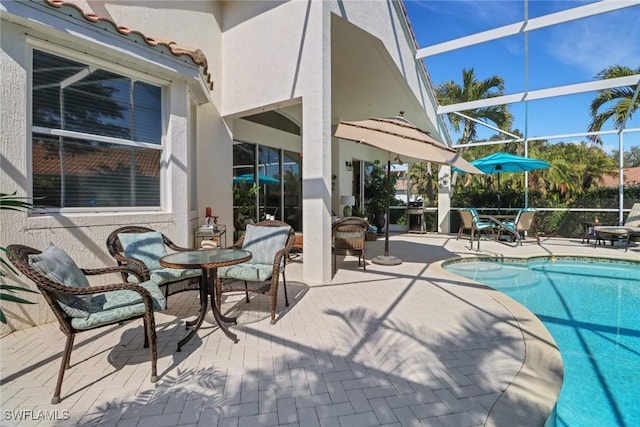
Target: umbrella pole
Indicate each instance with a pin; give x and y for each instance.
(499, 201)
(387, 259)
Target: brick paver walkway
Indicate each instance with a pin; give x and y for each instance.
(407, 346)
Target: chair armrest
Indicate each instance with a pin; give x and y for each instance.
(278, 259)
(140, 267)
(118, 269)
(72, 290)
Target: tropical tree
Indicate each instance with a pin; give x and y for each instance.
(473, 89)
(631, 157)
(613, 104)
(422, 182)
(575, 169)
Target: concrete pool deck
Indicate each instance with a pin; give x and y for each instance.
(395, 345)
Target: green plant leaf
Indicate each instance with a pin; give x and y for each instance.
(2, 318)
(6, 263)
(12, 288)
(13, 298)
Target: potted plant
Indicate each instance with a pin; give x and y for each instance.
(244, 201)
(378, 191)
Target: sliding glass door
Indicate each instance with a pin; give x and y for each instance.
(267, 183)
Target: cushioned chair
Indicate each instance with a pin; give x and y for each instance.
(270, 243)
(524, 222)
(141, 248)
(348, 237)
(472, 221)
(81, 307)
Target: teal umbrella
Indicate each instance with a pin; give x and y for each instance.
(505, 162)
(262, 179)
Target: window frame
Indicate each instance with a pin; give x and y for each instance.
(135, 75)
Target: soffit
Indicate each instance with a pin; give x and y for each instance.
(365, 80)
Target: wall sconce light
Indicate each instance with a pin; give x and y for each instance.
(349, 165)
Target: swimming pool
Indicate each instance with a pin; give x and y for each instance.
(592, 309)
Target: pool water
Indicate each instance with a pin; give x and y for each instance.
(592, 309)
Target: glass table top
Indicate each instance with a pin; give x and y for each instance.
(205, 258)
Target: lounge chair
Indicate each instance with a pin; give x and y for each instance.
(524, 222)
(270, 243)
(348, 237)
(78, 306)
(629, 229)
(472, 221)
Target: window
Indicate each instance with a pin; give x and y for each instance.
(97, 137)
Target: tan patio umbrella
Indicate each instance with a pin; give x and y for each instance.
(399, 136)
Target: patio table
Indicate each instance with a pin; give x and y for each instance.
(209, 260)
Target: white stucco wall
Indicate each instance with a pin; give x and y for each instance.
(261, 55)
(83, 235)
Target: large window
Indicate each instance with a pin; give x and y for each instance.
(97, 137)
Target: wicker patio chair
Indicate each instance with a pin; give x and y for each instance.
(142, 253)
(81, 307)
(348, 237)
(270, 243)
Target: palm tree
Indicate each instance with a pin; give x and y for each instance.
(473, 89)
(614, 102)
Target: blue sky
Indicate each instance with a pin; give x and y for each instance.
(569, 53)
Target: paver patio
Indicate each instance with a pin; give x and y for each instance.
(404, 345)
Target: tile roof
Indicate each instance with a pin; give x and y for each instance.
(197, 56)
(631, 177)
(46, 161)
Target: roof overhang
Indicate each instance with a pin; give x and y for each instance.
(104, 40)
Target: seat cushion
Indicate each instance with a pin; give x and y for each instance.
(147, 247)
(613, 230)
(56, 265)
(168, 275)
(264, 242)
(246, 271)
(114, 306)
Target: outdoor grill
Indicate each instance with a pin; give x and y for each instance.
(415, 214)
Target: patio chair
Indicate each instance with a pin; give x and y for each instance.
(524, 222)
(472, 221)
(141, 248)
(347, 238)
(80, 307)
(629, 229)
(270, 243)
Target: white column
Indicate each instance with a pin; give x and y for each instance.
(316, 146)
(444, 199)
(176, 161)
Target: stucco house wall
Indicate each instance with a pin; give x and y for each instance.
(262, 56)
(83, 234)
